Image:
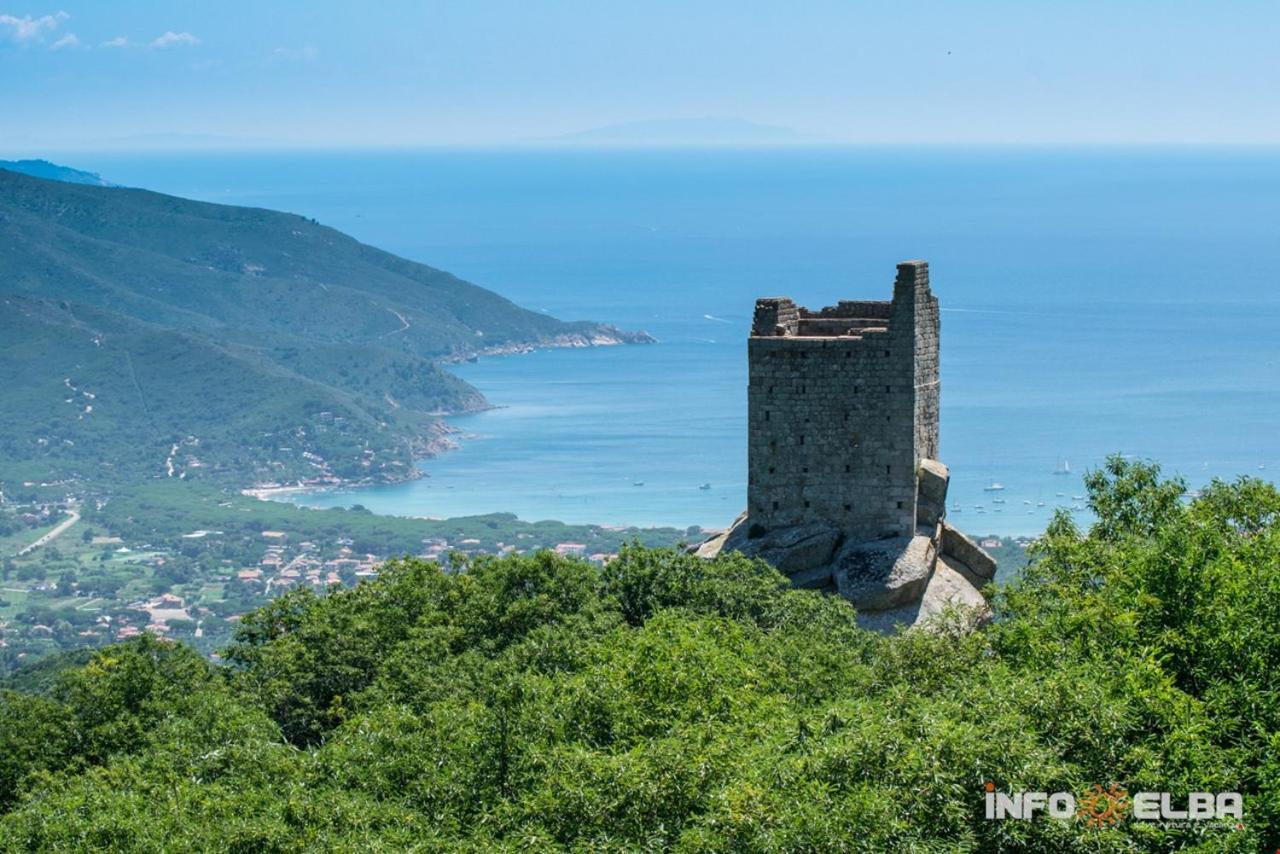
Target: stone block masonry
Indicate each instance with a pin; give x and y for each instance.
(845, 492)
(842, 410)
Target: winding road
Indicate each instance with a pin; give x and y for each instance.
(71, 519)
(404, 321)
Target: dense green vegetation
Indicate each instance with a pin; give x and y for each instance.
(537, 703)
(264, 345)
(106, 399)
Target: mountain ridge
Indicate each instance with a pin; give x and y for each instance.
(55, 172)
(238, 298)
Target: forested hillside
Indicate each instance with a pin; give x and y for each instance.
(134, 321)
(103, 396)
(538, 703)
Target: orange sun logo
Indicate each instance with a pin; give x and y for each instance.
(1100, 807)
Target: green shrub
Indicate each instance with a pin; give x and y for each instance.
(670, 702)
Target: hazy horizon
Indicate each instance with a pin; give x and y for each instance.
(68, 155)
(147, 75)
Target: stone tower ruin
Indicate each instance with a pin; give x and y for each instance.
(844, 489)
(842, 406)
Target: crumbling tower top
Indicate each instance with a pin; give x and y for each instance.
(842, 407)
(845, 491)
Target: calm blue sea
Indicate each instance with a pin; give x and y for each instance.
(1094, 301)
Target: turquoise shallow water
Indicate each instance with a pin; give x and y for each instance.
(1093, 302)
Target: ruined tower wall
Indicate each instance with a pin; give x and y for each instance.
(842, 405)
(913, 284)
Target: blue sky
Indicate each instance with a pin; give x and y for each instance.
(124, 74)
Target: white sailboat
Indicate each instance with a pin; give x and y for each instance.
(1065, 468)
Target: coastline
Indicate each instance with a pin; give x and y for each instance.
(605, 335)
(445, 436)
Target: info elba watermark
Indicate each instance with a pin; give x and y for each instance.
(1099, 807)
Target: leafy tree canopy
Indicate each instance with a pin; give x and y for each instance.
(668, 702)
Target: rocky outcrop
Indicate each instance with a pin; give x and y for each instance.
(885, 574)
(792, 550)
(591, 335)
(731, 539)
(948, 602)
(932, 578)
(967, 552)
(931, 500)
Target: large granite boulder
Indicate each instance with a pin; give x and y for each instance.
(931, 492)
(791, 550)
(885, 573)
(965, 550)
(948, 602)
(730, 539)
(797, 548)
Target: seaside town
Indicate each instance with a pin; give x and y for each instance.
(83, 569)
